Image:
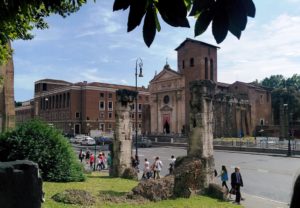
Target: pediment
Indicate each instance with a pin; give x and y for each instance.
(166, 74)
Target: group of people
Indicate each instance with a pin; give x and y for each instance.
(101, 160)
(236, 182)
(153, 170)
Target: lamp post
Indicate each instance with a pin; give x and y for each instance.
(139, 63)
(285, 107)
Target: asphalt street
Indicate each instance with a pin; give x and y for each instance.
(265, 176)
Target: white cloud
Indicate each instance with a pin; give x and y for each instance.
(273, 48)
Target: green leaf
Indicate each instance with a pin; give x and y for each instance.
(250, 7)
(235, 31)
(237, 14)
(201, 5)
(203, 22)
(220, 26)
(136, 13)
(173, 12)
(121, 4)
(149, 28)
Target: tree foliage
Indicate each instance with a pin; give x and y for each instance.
(40, 143)
(284, 90)
(225, 15)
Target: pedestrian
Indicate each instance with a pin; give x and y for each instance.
(102, 161)
(295, 202)
(98, 167)
(157, 168)
(236, 184)
(81, 155)
(224, 177)
(92, 160)
(172, 165)
(146, 171)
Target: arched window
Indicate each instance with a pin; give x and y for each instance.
(191, 62)
(183, 64)
(206, 68)
(211, 69)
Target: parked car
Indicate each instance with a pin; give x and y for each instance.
(78, 138)
(103, 140)
(88, 141)
(142, 142)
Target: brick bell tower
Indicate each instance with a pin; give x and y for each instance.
(196, 60)
(7, 104)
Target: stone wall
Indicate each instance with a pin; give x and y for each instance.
(21, 185)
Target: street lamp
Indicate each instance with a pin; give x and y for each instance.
(285, 107)
(139, 63)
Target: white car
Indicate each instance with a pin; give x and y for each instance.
(78, 138)
(88, 141)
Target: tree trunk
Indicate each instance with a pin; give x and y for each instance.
(7, 107)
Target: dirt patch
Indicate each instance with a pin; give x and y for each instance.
(75, 196)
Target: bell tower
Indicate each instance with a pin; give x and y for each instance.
(196, 60)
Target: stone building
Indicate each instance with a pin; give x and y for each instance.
(77, 108)
(239, 107)
(7, 106)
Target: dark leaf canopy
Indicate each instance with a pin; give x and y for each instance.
(225, 15)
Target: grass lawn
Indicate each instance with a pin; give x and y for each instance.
(97, 182)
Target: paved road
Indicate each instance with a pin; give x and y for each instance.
(266, 176)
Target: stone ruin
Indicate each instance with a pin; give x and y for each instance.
(194, 173)
(122, 144)
(21, 185)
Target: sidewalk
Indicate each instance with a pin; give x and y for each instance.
(252, 201)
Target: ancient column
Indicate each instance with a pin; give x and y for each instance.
(195, 172)
(7, 104)
(122, 143)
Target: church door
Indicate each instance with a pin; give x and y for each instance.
(166, 123)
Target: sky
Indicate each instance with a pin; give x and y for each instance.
(93, 45)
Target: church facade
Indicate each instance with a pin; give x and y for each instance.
(238, 108)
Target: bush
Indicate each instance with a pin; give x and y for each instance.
(40, 143)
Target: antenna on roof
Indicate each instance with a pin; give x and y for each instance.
(167, 61)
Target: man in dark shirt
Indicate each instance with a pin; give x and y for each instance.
(236, 183)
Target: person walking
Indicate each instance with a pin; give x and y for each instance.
(157, 168)
(81, 155)
(172, 165)
(92, 160)
(236, 184)
(146, 172)
(224, 177)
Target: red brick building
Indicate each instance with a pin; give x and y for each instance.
(77, 108)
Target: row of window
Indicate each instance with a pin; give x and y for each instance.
(109, 126)
(55, 101)
(109, 115)
(110, 106)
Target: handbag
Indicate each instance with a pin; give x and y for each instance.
(232, 191)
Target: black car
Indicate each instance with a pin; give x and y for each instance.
(103, 140)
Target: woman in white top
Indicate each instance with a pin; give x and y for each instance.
(146, 169)
(157, 168)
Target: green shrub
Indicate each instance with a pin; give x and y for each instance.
(38, 142)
